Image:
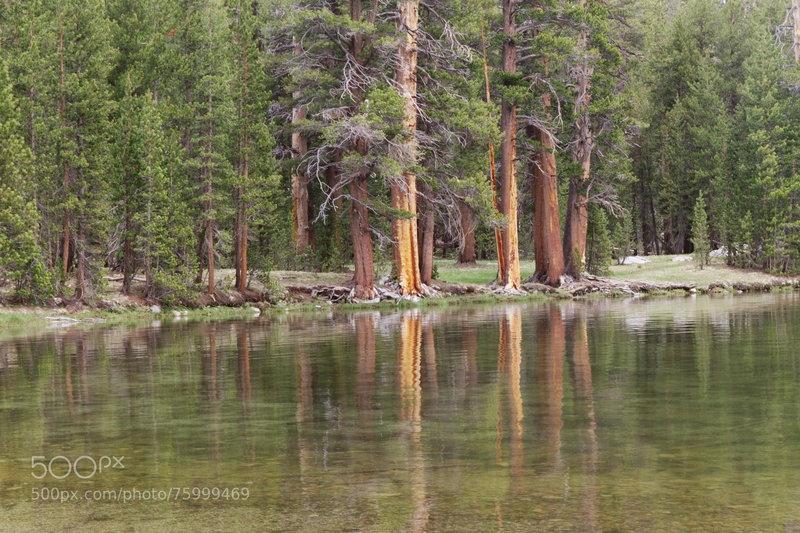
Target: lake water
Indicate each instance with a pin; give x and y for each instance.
(631, 415)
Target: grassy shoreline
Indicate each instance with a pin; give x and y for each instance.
(459, 285)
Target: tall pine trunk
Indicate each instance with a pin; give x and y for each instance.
(498, 234)
(301, 233)
(209, 204)
(426, 240)
(510, 278)
(240, 191)
(582, 144)
(65, 182)
(364, 275)
(404, 191)
(548, 252)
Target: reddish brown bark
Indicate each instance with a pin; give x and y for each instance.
(548, 252)
(582, 144)
(466, 249)
(409, 361)
(508, 154)
(429, 350)
(301, 228)
(581, 367)
(498, 235)
(209, 206)
(243, 351)
(240, 192)
(549, 372)
(513, 322)
(363, 276)
(426, 242)
(404, 191)
(365, 369)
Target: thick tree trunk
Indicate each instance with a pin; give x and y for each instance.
(427, 245)
(466, 250)
(510, 278)
(404, 191)
(582, 145)
(300, 223)
(363, 278)
(548, 252)
(364, 275)
(498, 234)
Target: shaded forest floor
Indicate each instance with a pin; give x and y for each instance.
(659, 275)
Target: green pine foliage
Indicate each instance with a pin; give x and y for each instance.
(700, 237)
(131, 126)
(21, 259)
(598, 242)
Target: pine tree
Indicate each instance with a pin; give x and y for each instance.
(598, 242)
(700, 238)
(21, 259)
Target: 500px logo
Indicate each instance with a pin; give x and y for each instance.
(84, 467)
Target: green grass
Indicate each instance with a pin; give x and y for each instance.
(483, 273)
(662, 269)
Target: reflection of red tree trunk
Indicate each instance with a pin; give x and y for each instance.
(502, 346)
(584, 400)
(303, 415)
(515, 406)
(550, 336)
(466, 250)
(243, 350)
(404, 190)
(365, 371)
(211, 365)
(470, 340)
(429, 347)
(508, 156)
(409, 373)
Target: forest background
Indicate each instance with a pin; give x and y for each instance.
(164, 140)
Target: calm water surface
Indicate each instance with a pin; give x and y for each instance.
(636, 415)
